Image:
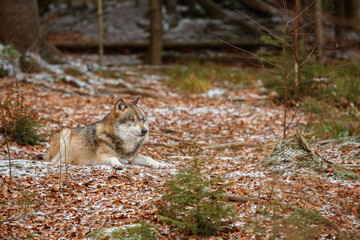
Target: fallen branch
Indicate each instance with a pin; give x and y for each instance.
(173, 138)
(239, 198)
(213, 138)
(229, 145)
(167, 146)
(206, 145)
(327, 141)
(355, 166)
(167, 130)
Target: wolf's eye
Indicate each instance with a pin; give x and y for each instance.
(131, 120)
(123, 121)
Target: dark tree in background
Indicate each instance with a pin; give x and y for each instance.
(155, 46)
(20, 27)
(346, 16)
(319, 31)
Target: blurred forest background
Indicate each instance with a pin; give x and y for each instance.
(190, 25)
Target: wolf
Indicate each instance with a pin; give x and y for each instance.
(115, 140)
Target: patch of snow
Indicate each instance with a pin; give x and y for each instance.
(216, 92)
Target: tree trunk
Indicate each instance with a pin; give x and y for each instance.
(20, 27)
(352, 8)
(155, 47)
(191, 5)
(101, 33)
(340, 38)
(352, 13)
(319, 31)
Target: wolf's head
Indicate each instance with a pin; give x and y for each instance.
(130, 121)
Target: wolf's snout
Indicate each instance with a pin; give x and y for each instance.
(144, 132)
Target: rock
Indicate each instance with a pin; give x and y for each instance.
(31, 63)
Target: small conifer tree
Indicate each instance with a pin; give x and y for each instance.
(19, 122)
(192, 205)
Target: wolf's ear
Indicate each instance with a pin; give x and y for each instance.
(136, 102)
(120, 105)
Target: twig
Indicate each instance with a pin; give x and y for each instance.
(167, 130)
(207, 145)
(229, 145)
(327, 141)
(292, 119)
(355, 166)
(6, 134)
(167, 146)
(172, 138)
(252, 54)
(212, 138)
(259, 25)
(239, 198)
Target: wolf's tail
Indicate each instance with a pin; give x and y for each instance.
(59, 150)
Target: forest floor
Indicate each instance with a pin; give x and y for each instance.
(48, 201)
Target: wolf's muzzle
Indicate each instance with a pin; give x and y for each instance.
(144, 132)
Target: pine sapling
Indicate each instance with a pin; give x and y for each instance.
(192, 204)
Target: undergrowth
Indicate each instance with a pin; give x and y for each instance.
(329, 121)
(28, 199)
(19, 122)
(332, 82)
(141, 231)
(8, 55)
(287, 157)
(277, 221)
(196, 77)
(339, 84)
(193, 204)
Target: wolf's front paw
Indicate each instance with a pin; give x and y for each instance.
(114, 162)
(118, 166)
(157, 165)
